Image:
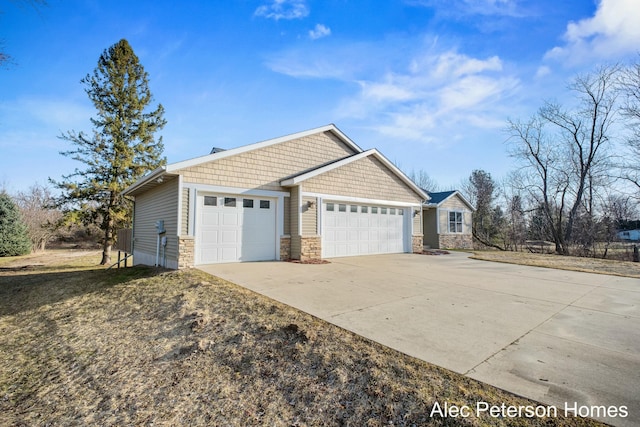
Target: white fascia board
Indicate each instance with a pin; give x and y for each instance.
(235, 190)
(360, 200)
(155, 174)
(245, 148)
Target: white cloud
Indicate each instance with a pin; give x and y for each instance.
(319, 32)
(614, 30)
(283, 9)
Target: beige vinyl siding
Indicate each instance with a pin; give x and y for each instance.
(287, 216)
(309, 216)
(159, 203)
(295, 216)
(417, 221)
(264, 168)
(454, 204)
(366, 178)
(184, 227)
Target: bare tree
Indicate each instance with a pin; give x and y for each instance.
(42, 220)
(564, 151)
(629, 84)
(423, 180)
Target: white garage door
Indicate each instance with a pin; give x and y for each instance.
(353, 229)
(235, 228)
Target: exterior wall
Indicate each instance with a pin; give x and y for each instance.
(295, 218)
(264, 168)
(285, 248)
(454, 204)
(184, 227)
(287, 216)
(186, 252)
(417, 222)
(309, 216)
(430, 228)
(416, 244)
(159, 203)
(366, 178)
(456, 241)
(311, 248)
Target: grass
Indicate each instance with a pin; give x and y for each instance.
(80, 345)
(588, 265)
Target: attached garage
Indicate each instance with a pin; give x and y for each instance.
(234, 228)
(360, 229)
(304, 196)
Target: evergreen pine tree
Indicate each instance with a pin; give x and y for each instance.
(14, 239)
(122, 147)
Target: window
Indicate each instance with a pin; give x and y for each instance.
(247, 203)
(342, 208)
(354, 208)
(330, 207)
(364, 209)
(392, 211)
(210, 201)
(383, 211)
(374, 209)
(230, 202)
(265, 204)
(455, 222)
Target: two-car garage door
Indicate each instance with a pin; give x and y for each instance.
(235, 228)
(359, 229)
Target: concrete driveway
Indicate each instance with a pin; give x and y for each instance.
(551, 335)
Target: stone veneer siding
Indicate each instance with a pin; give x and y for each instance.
(186, 252)
(311, 248)
(417, 243)
(285, 248)
(456, 241)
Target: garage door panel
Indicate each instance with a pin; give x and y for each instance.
(235, 231)
(362, 230)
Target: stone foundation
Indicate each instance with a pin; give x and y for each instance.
(186, 252)
(285, 248)
(310, 248)
(417, 243)
(456, 241)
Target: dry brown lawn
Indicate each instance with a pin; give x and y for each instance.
(80, 345)
(589, 265)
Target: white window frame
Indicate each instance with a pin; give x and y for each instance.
(455, 222)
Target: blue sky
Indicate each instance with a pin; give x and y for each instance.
(430, 83)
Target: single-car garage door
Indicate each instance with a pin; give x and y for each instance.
(355, 229)
(235, 228)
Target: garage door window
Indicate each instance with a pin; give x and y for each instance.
(383, 211)
(364, 209)
(400, 212)
(210, 201)
(330, 207)
(230, 202)
(342, 208)
(354, 208)
(392, 211)
(265, 204)
(374, 210)
(247, 203)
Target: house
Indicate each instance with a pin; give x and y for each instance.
(310, 195)
(447, 219)
(629, 235)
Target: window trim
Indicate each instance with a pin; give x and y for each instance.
(457, 222)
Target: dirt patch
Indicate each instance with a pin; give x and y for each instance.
(435, 252)
(81, 345)
(309, 261)
(588, 265)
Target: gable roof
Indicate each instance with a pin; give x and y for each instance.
(297, 179)
(171, 169)
(437, 198)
